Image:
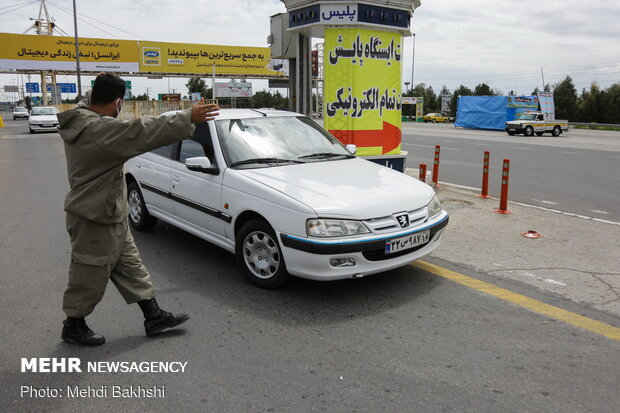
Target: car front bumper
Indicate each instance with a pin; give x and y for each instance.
(310, 258)
(47, 128)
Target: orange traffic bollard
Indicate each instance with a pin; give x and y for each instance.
(436, 167)
(422, 174)
(485, 176)
(503, 201)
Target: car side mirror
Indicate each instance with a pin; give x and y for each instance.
(201, 164)
(351, 148)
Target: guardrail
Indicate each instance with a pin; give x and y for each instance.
(594, 124)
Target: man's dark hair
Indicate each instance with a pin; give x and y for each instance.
(107, 88)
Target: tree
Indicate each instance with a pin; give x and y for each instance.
(483, 90)
(460, 91)
(612, 104)
(197, 85)
(565, 98)
(591, 104)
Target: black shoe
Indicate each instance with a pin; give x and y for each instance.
(157, 320)
(75, 331)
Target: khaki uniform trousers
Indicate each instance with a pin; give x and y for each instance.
(101, 252)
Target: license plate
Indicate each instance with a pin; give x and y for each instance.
(405, 243)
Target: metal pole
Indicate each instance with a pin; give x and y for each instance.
(412, 61)
(77, 53)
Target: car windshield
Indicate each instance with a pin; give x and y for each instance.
(21, 110)
(268, 141)
(527, 116)
(44, 111)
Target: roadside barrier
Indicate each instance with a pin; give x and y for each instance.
(503, 201)
(422, 173)
(485, 176)
(436, 167)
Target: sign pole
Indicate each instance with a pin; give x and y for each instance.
(77, 53)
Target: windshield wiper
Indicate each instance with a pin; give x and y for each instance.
(325, 155)
(264, 160)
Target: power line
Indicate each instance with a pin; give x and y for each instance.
(18, 4)
(17, 8)
(71, 14)
(98, 21)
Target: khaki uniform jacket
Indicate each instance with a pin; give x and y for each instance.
(96, 148)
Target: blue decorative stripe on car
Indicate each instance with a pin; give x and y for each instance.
(343, 247)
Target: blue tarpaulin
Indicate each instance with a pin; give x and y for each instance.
(482, 112)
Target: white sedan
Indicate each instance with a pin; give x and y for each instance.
(44, 119)
(286, 197)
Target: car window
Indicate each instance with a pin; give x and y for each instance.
(190, 149)
(165, 151)
(286, 137)
(44, 111)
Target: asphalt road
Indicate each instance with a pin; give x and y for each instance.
(403, 341)
(577, 172)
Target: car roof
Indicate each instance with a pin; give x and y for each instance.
(248, 113)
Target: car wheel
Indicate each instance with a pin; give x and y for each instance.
(434, 120)
(529, 131)
(259, 255)
(139, 216)
(539, 133)
(31, 131)
(556, 131)
(511, 133)
(445, 121)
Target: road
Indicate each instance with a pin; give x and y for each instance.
(578, 172)
(406, 340)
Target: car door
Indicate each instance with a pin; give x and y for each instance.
(197, 196)
(152, 170)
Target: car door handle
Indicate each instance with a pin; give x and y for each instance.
(138, 164)
(176, 179)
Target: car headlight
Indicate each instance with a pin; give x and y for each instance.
(334, 228)
(434, 207)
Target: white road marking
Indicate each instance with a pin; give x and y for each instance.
(616, 157)
(521, 147)
(542, 201)
(431, 146)
(598, 211)
(554, 282)
(482, 144)
(570, 153)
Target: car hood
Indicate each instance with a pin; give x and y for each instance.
(44, 118)
(352, 188)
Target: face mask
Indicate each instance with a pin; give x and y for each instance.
(119, 108)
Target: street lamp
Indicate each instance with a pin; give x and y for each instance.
(407, 86)
(412, 60)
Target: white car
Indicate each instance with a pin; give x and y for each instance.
(43, 118)
(20, 112)
(286, 197)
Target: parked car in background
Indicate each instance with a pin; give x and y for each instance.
(285, 197)
(43, 118)
(20, 112)
(435, 117)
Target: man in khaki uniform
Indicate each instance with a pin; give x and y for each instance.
(97, 144)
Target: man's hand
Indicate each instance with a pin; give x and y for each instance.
(202, 113)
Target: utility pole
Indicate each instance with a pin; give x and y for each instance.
(543, 79)
(44, 26)
(77, 53)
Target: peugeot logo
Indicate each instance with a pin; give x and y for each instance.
(403, 220)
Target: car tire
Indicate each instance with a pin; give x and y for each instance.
(434, 120)
(529, 131)
(139, 216)
(539, 133)
(511, 133)
(445, 121)
(259, 255)
(556, 131)
(31, 131)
